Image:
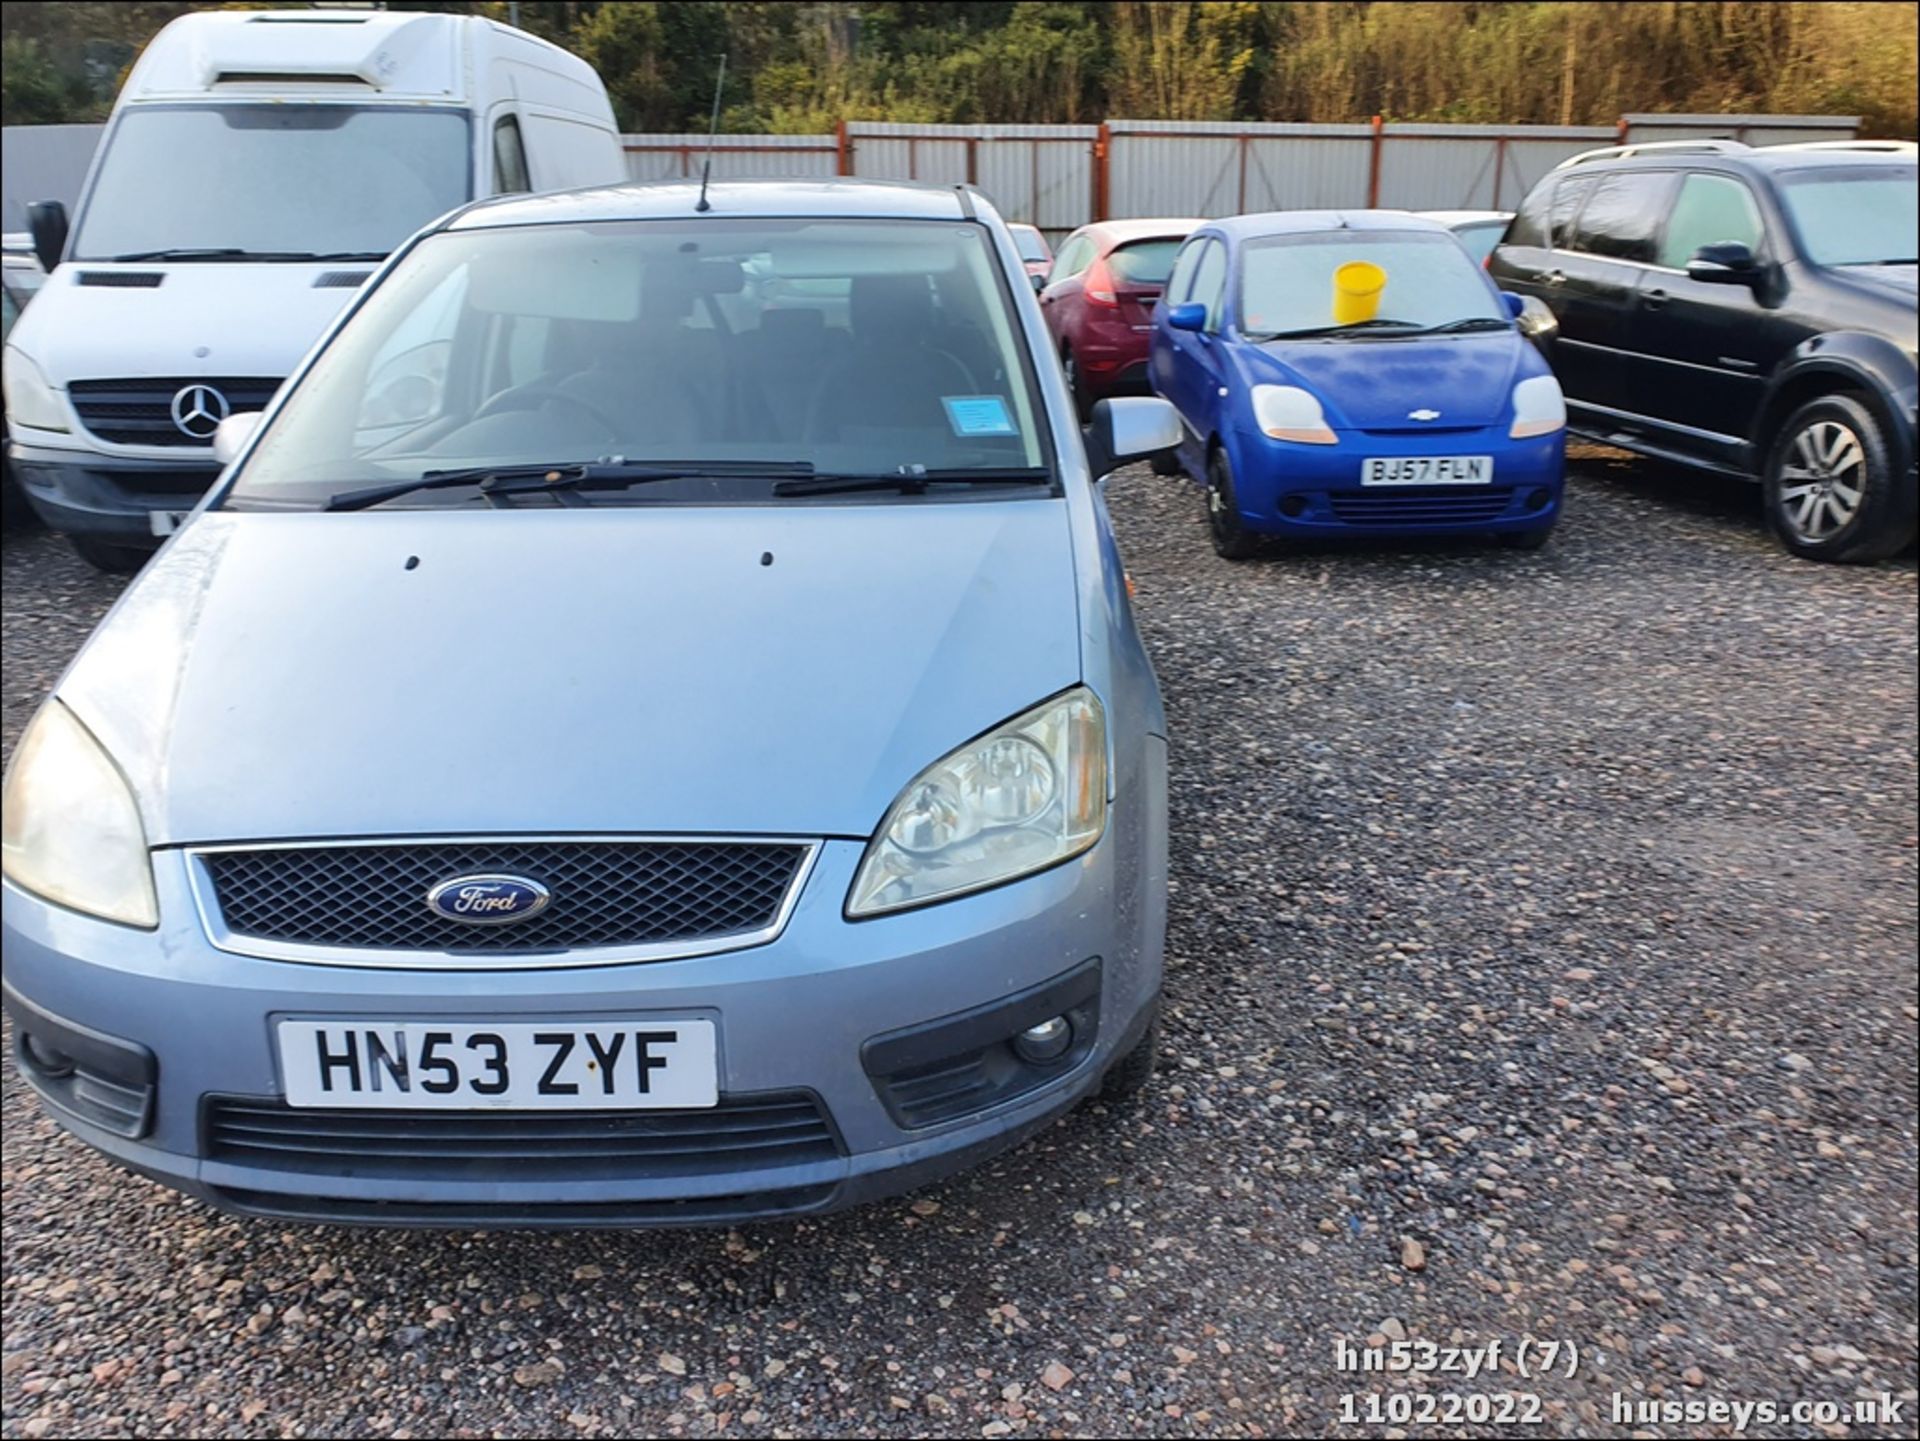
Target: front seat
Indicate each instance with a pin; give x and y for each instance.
(893, 379)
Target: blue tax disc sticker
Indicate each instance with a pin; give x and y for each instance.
(978, 415)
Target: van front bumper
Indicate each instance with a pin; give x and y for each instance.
(141, 1042)
(111, 497)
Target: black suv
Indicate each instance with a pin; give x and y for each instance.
(1745, 310)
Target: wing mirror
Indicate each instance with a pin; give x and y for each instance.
(1536, 320)
(1727, 262)
(233, 433)
(1190, 316)
(1038, 282)
(1516, 304)
(1129, 428)
(47, 224)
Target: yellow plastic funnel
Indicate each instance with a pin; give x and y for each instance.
(1356, 291)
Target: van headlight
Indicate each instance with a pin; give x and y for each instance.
(31, 401)
(1538, 408)
(1286, 412)
(1016, 800)
(71, 832)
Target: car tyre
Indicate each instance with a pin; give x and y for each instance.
(105, 555)
(1526, 539)
(1831, 492)
(1128, 1076)
(1230, 536)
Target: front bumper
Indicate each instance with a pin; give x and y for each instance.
(837, 1011)
(1306, 490)
(112, 497)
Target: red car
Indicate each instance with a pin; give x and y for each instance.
(1099, 298)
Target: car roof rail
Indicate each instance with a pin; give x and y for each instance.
(1880, 147)
(1656, 147)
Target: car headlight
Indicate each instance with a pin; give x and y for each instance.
(1019, 799)
(31, 401)
(72, 832)
(1538, 408)
(1287, 412)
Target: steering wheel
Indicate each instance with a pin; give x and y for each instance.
(529, 397)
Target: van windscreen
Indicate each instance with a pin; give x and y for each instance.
(271, 181)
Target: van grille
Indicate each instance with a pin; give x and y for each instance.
(140, 412)
(603, 893)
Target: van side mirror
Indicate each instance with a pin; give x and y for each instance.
(47, 224)
(1726, 262)
(1129, 428)
(230, 437)
(1190, 316)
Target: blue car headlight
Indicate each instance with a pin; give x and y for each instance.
(72, 832)
(1020, 798)
(1286, 412)
(1538, 408)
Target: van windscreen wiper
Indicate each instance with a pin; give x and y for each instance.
(234, 252)
(909, 481)
(608, 474)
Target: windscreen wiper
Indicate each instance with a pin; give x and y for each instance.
(608, 474)
(909, 481)
(1312, 330)
(234, 252)
(1471, 322)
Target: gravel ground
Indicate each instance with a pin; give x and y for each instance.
(1542, 964)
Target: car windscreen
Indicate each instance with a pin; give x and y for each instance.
(1288, 283)
(1855, 215)
(272, 179)
(854, 346)
(1144, 262)
(1031, 244)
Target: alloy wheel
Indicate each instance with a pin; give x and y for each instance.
(1823, 480)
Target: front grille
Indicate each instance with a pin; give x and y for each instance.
(1417, 505)
(742, 1133)
(140, 411)
(604, 893)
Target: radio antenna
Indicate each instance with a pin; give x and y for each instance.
(713, 129)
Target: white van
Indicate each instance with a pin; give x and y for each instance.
(256, 168)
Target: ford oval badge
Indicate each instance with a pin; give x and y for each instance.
(488, 900)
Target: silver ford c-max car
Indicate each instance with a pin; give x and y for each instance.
(649, 728)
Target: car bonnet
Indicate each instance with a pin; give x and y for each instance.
(739, 670)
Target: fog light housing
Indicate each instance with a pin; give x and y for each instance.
(1539, 498)
(48, 1060)
(1293, 505)
(1046, 1042)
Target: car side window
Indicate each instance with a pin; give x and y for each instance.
(1071, 260)
(1210, 281)
(1567, 197)
(1623, 214)
(1181, 280)
(509, 158)
(1710, 209)
(1530, 223)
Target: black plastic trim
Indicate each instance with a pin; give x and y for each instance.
(105, 1060)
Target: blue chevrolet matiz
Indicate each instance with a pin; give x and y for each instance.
(648, 729)
(1354, 373)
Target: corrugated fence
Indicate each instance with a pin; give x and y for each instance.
(1061, 176)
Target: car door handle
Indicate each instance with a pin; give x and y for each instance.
(1655, 299)
(1554, 277)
